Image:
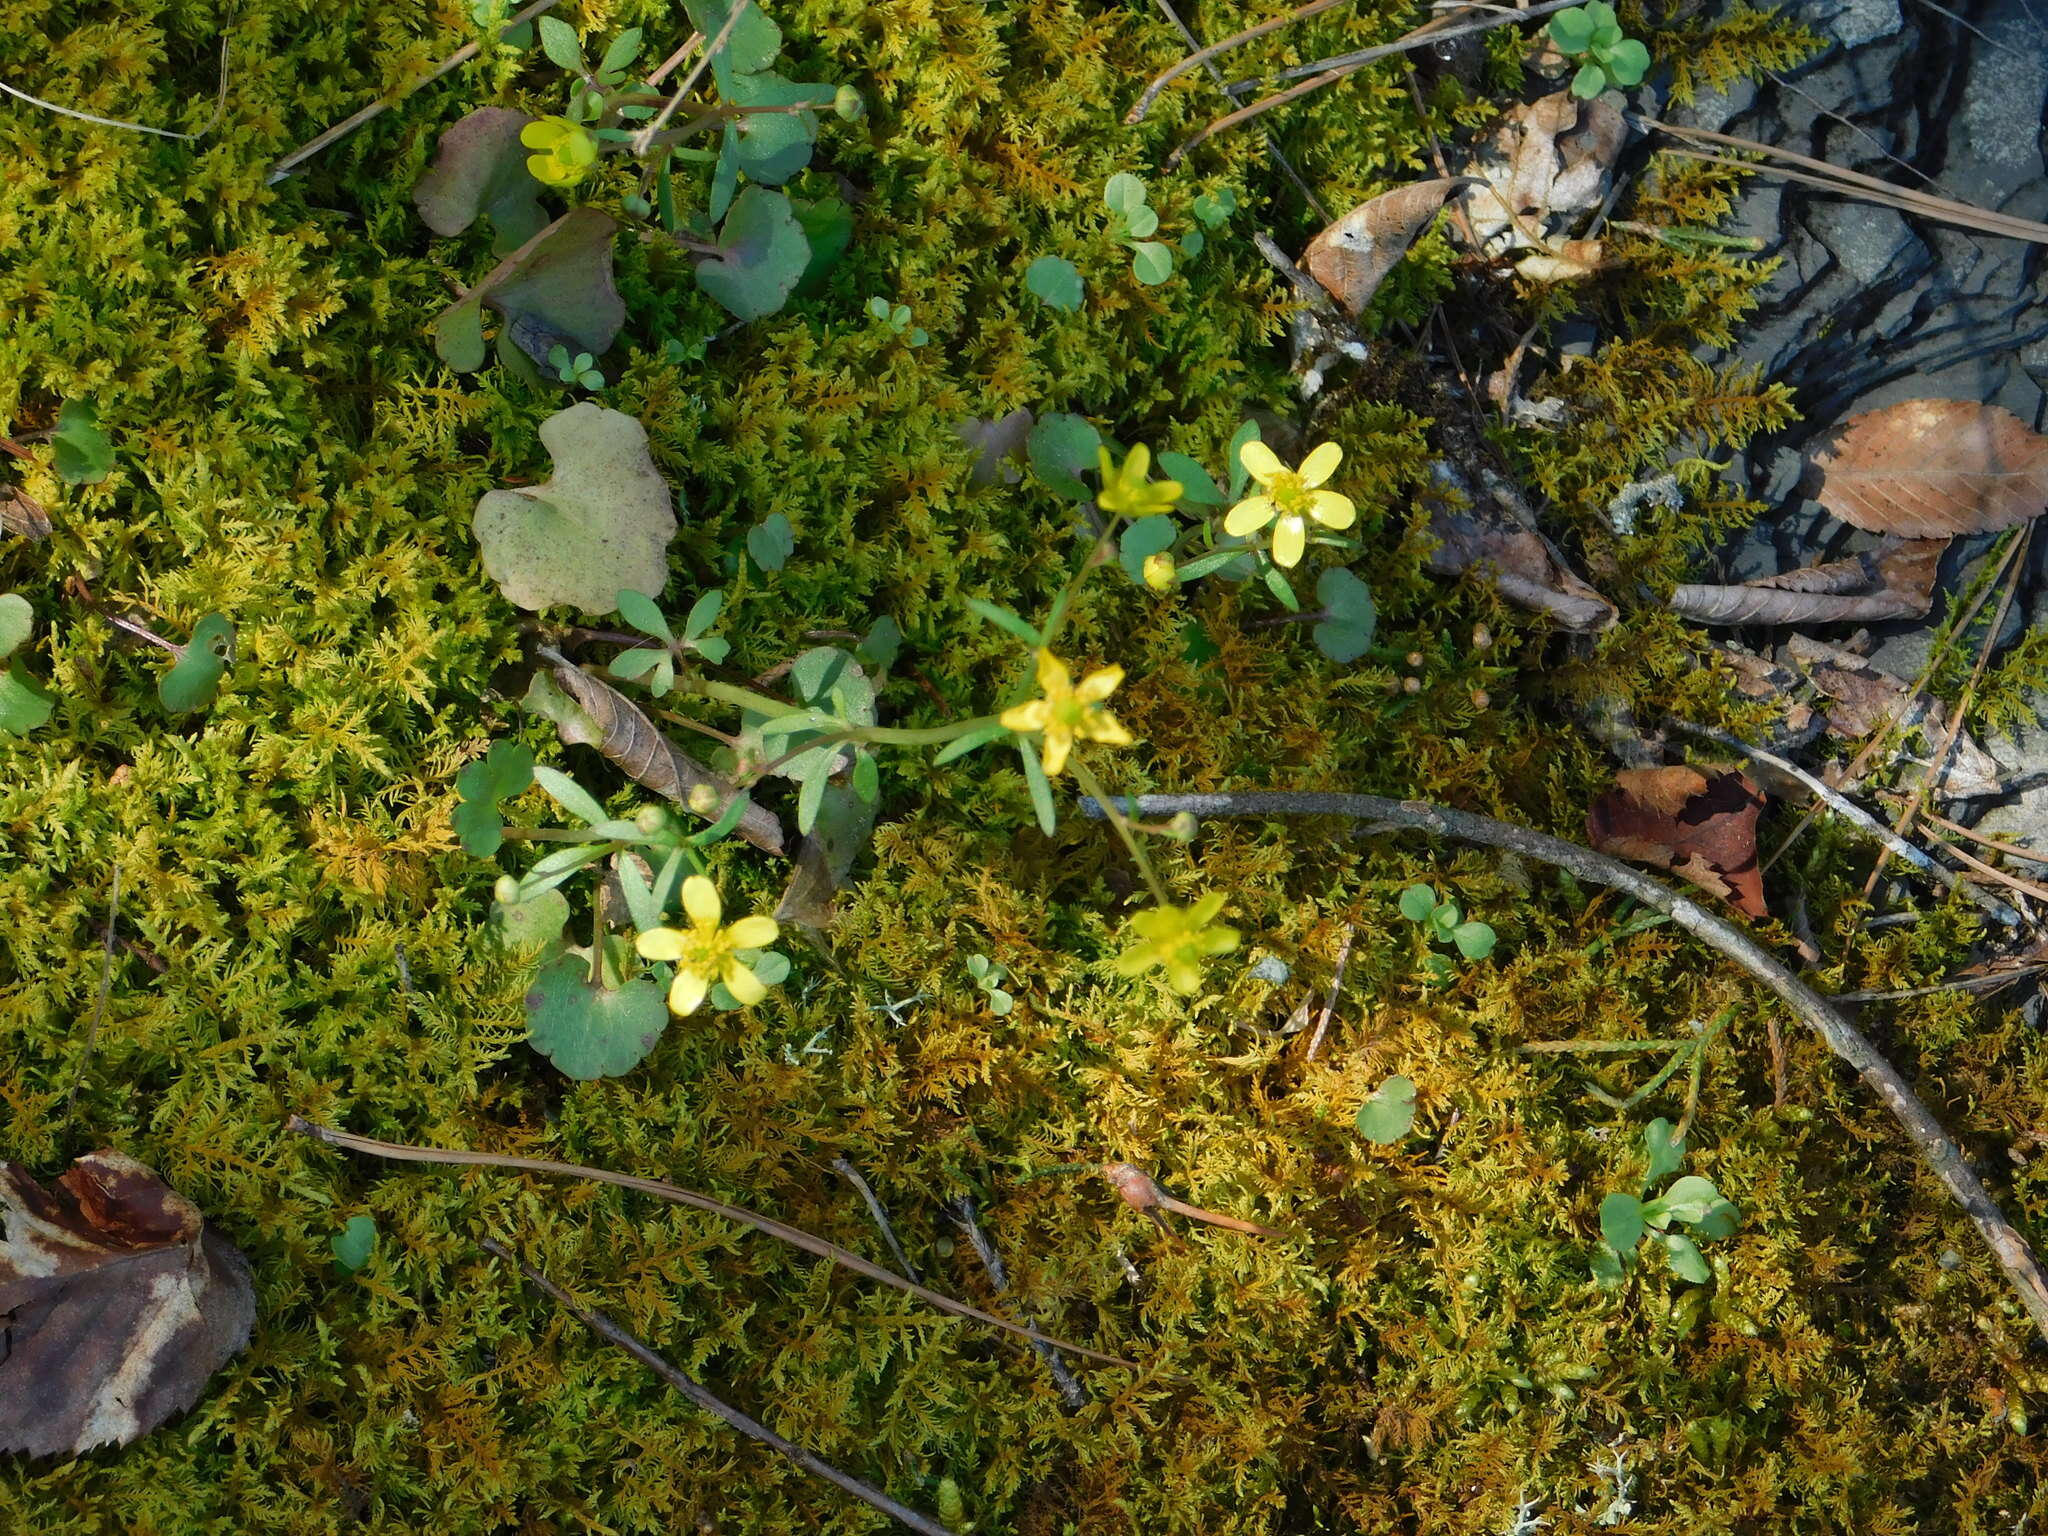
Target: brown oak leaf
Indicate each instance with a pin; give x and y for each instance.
(1700, 826)
(117, 1304)
(1926, 469)
(1353, 256)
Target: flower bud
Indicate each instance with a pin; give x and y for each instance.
(1183, 827)
(1411, 685)
(704, 800)
(1159, 572)
(1482, 637)
(1481, 699)
(1415, 658)
(651, 820)
(506, 890)
(849, 105)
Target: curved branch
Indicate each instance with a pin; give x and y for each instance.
(1936, 1148)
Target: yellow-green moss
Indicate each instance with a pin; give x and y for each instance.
(1428, 1351)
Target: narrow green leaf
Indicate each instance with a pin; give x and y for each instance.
(558, 42)
(1006, 621)
(569, 795)
(975, 739)
(645, 615)
(703, 613)
(1041, 791)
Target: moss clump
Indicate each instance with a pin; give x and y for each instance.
(1427, 1353)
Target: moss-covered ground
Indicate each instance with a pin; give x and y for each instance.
(1423, 1352)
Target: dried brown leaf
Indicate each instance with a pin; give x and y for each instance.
(630, 739)
(1353, 256)
(1550, 159)
(1926, 469)
(1665, 789)
(1523, 564)
(1893, 581)
(21, 513)
(1864, 700)
(119, 1304)
(1709, 838)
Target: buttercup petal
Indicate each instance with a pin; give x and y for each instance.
(660, 944)
(1260, 462)
(746, 988)
(1138, 464)
(1321, 464)
(1097, 686)
(1184, 976)
(1100, 725)
(1030, 716)
(542, 133)
(1204, 911)
(687, 991)
(1249, 515)
(1332, 510)
(1058, 743)
(1217, 941)
(1053, 676)
(756, 932)
(1290, 538)
(700, 900)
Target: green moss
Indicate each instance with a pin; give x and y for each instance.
(1426, 1353)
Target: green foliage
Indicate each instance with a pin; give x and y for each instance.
(1612, 58)
(1443, 922)
(354, 1243)
(84, 454)
(589, 1029)
(897, 318)
(23, 705)
(500, 774)
(990, 976)
(1627, 1220)
(1389, 1114)
(578, 369)
(194, 678)
(1349, 619)
(1057, 281)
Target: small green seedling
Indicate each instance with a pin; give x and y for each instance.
(580, 369)
(1591, 32)
(1693, 1202)
(1345, 627)
(195, 677)
(1443, 922)
(1389, 1114)
(656, 667)
(897, 318)
(1055, 280)
(23, 706)
(503, 772)
(354, 1243)
(771, 542)
(1132, 220)
(84, 453)
(989, 976)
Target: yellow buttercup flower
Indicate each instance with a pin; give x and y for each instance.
(1068, 712)
(1290, 499)
(706, 952)
(1125, 490)
(1179, 938)
(567, 151)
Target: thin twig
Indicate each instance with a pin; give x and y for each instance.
(1206, 56)
(852, 1176)
(1433, 31)
(668, 65)
(1991, 872)
(2013, 850)
(1936, 1148)
(220, 106)
(645, 139)
(717, 1407)
(796, 1237)
(1336, 986)
(383, 104)
(1072, 1393)
(1989, 982)
(99, 1007)
(1863, 821)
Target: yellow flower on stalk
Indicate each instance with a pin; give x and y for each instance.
(706, 952)
(1290, 499)
(1067, 712)
(567, 151)
(1125, 490)
(1179, 938)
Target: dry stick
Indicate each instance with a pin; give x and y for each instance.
(796, 1237)
(1273, 149)
(99, 1007)
(1979, 31)
(1991, 872)
(2014, 850)
(1205, 55)
(1072, 1393)
(704, 1398)
(1936, 1149)
(1336, 986)
(1993, 908)
(668, 65)
(2016, 561)
(220, 106)
(383, 104)
(645, 139)
(1350, 64)
(1986, 983)
(852, 1176)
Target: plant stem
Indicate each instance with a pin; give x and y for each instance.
(1117, 819)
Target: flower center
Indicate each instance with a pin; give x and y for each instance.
(1289, 494)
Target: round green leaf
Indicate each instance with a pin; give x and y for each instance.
(1627, 62)
(1055, 280)
(1060, 447)
(1123, 193)
(1621, 1222)
(1589, 82)
(771, 542)
(1388, 1115)
(1475, 941)
(1572, 30)
(588, 1031)
(1151, 262)
(353, 1243)
(84, 454)
(195, 677)
(1147, 537)
(522, 926)
(23, 705)
(762, 255)
(17, 622)
(1417, 902)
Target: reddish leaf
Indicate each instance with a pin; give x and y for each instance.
(118, 1304)
(1926, 469)
(1700, 826)
(1353, 256)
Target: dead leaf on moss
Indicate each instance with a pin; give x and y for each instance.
(998, 446)
(602, 717)
(1926, 469)
(1863, 700)
(1548, 163)
(1893, 581)
(1699, 825)
(1353, 256)
(21, 513)
(600, 524)
(118, 1301)
(1521, 562)
(555, 290)
(480, 168)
